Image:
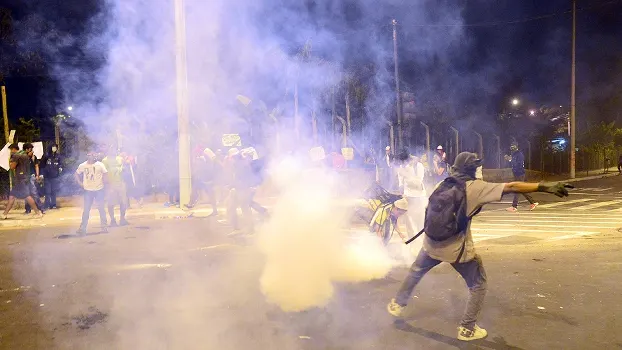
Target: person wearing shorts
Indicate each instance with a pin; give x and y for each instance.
(20, 170)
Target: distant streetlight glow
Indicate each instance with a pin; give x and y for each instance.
(70, 108)
(515, 102)
(532, 112)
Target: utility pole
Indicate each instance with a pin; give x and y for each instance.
(185, 182)
(5, 115)
(397, 87)
(334, 118)
(573, 111)
(348, 116)
(427, 137)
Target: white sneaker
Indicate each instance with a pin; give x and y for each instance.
(512, 209)
(395, 309)
(465, 334)
(533, 206)
(38, 215)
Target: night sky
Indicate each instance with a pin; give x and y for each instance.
(507, 48)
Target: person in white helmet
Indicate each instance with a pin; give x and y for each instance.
(439, 162)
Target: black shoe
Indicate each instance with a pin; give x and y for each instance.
(123, 222)
(104, 229)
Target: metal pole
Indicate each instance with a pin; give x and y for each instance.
(572, 93)
(498, 151)
(528, 154)
(344, 132)
(481, 144)
(456, 139)
(185, 183)
(397, 87)
(57, 134)
(296, 118)
(5, 115)
(333, 113)
(427, 137)
(348, 117)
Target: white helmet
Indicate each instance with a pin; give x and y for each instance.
(439, 147)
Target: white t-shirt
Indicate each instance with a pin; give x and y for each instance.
(93, 175)
(411, 178)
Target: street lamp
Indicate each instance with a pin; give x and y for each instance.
(70, 108)
(532, 112)
(515, 102)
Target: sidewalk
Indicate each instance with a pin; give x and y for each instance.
(155, 211)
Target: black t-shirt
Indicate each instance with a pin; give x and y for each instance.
(33, 161)
(22, 169)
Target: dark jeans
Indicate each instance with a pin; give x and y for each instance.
(34, 193)
(472, 272)
(243, 199)
(98, 197)
(51, 186)
(528, 197)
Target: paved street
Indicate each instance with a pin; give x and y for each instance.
(185, 283)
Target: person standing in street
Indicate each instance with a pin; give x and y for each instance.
(19, 165)
(411, 173)
(92, 177)
(116, 189)
(517, 159)
(52, 169)
(440, 165)
(384, 170)
(35, 178)
(457, 200)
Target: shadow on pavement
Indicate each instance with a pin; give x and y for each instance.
(65, 236)
(497, 343)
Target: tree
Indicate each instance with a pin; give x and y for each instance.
(27, 130)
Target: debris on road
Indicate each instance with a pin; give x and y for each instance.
(304, 337)
(541, 307)
(86, 321)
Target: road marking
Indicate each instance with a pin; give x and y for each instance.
(596, 205)
(561, 215)
(536, 220)
(558, 204)
(214, 247)
(520, 224)
(579, 234)
(488, 237)
(144, 266)
(521, 230)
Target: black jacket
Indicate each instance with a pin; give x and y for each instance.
(50, 165)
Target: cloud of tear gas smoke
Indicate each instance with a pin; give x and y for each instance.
(307, 248)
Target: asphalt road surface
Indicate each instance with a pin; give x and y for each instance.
(553, 273)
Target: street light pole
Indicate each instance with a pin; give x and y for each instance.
(5, 115)
(397, 87)
(572, 93)
(185, 182)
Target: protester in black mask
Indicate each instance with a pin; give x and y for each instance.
(52, 168)
(458, 249)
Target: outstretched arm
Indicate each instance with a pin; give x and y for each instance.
(557, 188)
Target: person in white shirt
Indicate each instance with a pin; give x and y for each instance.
(92, 177)
(411, 173)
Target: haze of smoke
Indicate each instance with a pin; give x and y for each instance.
(306, 248)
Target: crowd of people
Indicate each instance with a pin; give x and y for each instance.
(31, 176)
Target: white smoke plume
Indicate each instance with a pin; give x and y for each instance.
(307, 248)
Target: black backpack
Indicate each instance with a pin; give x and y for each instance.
(446, 215)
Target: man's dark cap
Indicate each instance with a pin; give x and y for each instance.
(27, 146)
(14, 146)
(466, 160)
